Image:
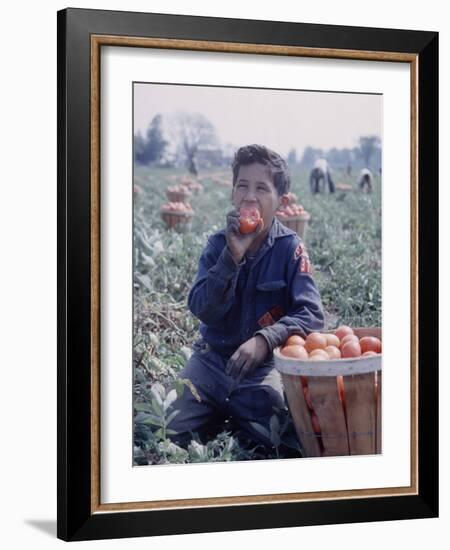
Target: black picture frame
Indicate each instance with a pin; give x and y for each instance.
(78, 518)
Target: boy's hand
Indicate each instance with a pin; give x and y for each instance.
(238, 243)
(247, 357)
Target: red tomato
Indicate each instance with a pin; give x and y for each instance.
(333, 352)
(315, 340)
(296, 352)
(304, 381)
(315, 423)
(307, 398)
(295, 339)
(349, 338)
(375, 387)
(370, 343)
(249, 219)
(342, 331)
(319, 355)
(292, 198)
(332, 340)
(351, 349)
(289, 212)
(341, 389)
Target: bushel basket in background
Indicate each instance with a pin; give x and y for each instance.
(180, 221)
(297, 223)
(347, 427)
(178, 196)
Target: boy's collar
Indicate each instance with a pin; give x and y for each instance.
(277, 229)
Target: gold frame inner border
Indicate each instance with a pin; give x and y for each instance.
(97, 41)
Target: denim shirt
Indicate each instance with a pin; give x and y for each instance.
(272, 294)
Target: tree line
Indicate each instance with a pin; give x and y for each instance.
(190, 140)
(367, 154)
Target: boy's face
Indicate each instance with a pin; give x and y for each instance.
(254, 187)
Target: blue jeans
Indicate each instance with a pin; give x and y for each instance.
(255, 399)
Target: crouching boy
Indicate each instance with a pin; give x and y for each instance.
(252, 291)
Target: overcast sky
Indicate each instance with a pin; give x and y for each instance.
(280, 119)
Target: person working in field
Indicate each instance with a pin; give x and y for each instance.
(253, 289)
(321, 176)
(365, 180)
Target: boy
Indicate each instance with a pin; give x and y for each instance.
(251, 292)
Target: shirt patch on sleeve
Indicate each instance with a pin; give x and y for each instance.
(277, 312)
(298, 251)
(266, 320)
(305, 265)
(270, 317)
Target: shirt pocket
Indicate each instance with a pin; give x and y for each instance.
(271, 286)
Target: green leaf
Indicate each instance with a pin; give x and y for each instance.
(171, 398)
(171, 416)
(230, 445)
(142, 407)
(157, 407)
(159, 392)
(145, 280)
(141, 417)
(179, 387)
(274, 424)
(153, 421)
(275, 439)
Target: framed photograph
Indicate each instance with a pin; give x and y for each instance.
(247, 274)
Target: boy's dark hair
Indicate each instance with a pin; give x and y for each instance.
(250, 154)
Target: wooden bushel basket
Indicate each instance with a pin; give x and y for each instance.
(178, 196)
(353, 428)
(344, 187)
(180, 221)
(297, 223)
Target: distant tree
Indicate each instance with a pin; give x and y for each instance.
(367, 146)
(228, 151)
(339, 158)
(357, 157)
(377, 159)
(192, 132)
(334, 157)
(310, 155)
(292, 157)
(151, 148)
(139, 148)
(156, 143)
